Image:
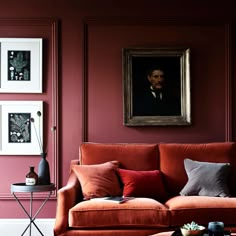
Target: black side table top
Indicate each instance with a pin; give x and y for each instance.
(22, 187)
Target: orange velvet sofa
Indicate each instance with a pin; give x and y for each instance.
(145, 216)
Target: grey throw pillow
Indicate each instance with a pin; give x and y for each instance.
(206, 179)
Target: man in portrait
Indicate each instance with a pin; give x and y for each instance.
(157, 96)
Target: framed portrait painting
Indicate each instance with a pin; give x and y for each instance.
(21, 65)
(21, 129)
(156, 86)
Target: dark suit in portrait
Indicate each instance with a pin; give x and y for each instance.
(156, 103)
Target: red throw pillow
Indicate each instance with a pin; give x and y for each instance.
(143, 184)
(99, 180)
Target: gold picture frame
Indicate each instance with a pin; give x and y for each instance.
(174, 64)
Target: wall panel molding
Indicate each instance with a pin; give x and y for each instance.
(172, 23)
(48, 30)
(228, 85)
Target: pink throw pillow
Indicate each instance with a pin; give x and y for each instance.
(143, 184)
(99, 180)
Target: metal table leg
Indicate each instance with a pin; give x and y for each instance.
(30, 214)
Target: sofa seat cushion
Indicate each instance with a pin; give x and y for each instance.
(201, 209)
(138, 212)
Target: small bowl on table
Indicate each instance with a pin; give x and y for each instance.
(192, 232)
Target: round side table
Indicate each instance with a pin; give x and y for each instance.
(22, 187)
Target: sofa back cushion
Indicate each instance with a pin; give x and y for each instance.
(130, 156)
(172, 162)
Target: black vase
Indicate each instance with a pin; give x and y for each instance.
(43, 171)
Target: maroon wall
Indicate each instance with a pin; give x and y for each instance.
(91, 36)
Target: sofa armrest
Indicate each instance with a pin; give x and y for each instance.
(67, 197)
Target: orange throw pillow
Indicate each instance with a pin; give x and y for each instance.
(143, 184)
(99, 180)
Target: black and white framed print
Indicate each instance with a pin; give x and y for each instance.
(21, 129)
(21, 65)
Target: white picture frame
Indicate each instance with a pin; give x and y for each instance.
(18, 134)
(21, 65)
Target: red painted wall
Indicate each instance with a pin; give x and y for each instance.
(105, 27)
